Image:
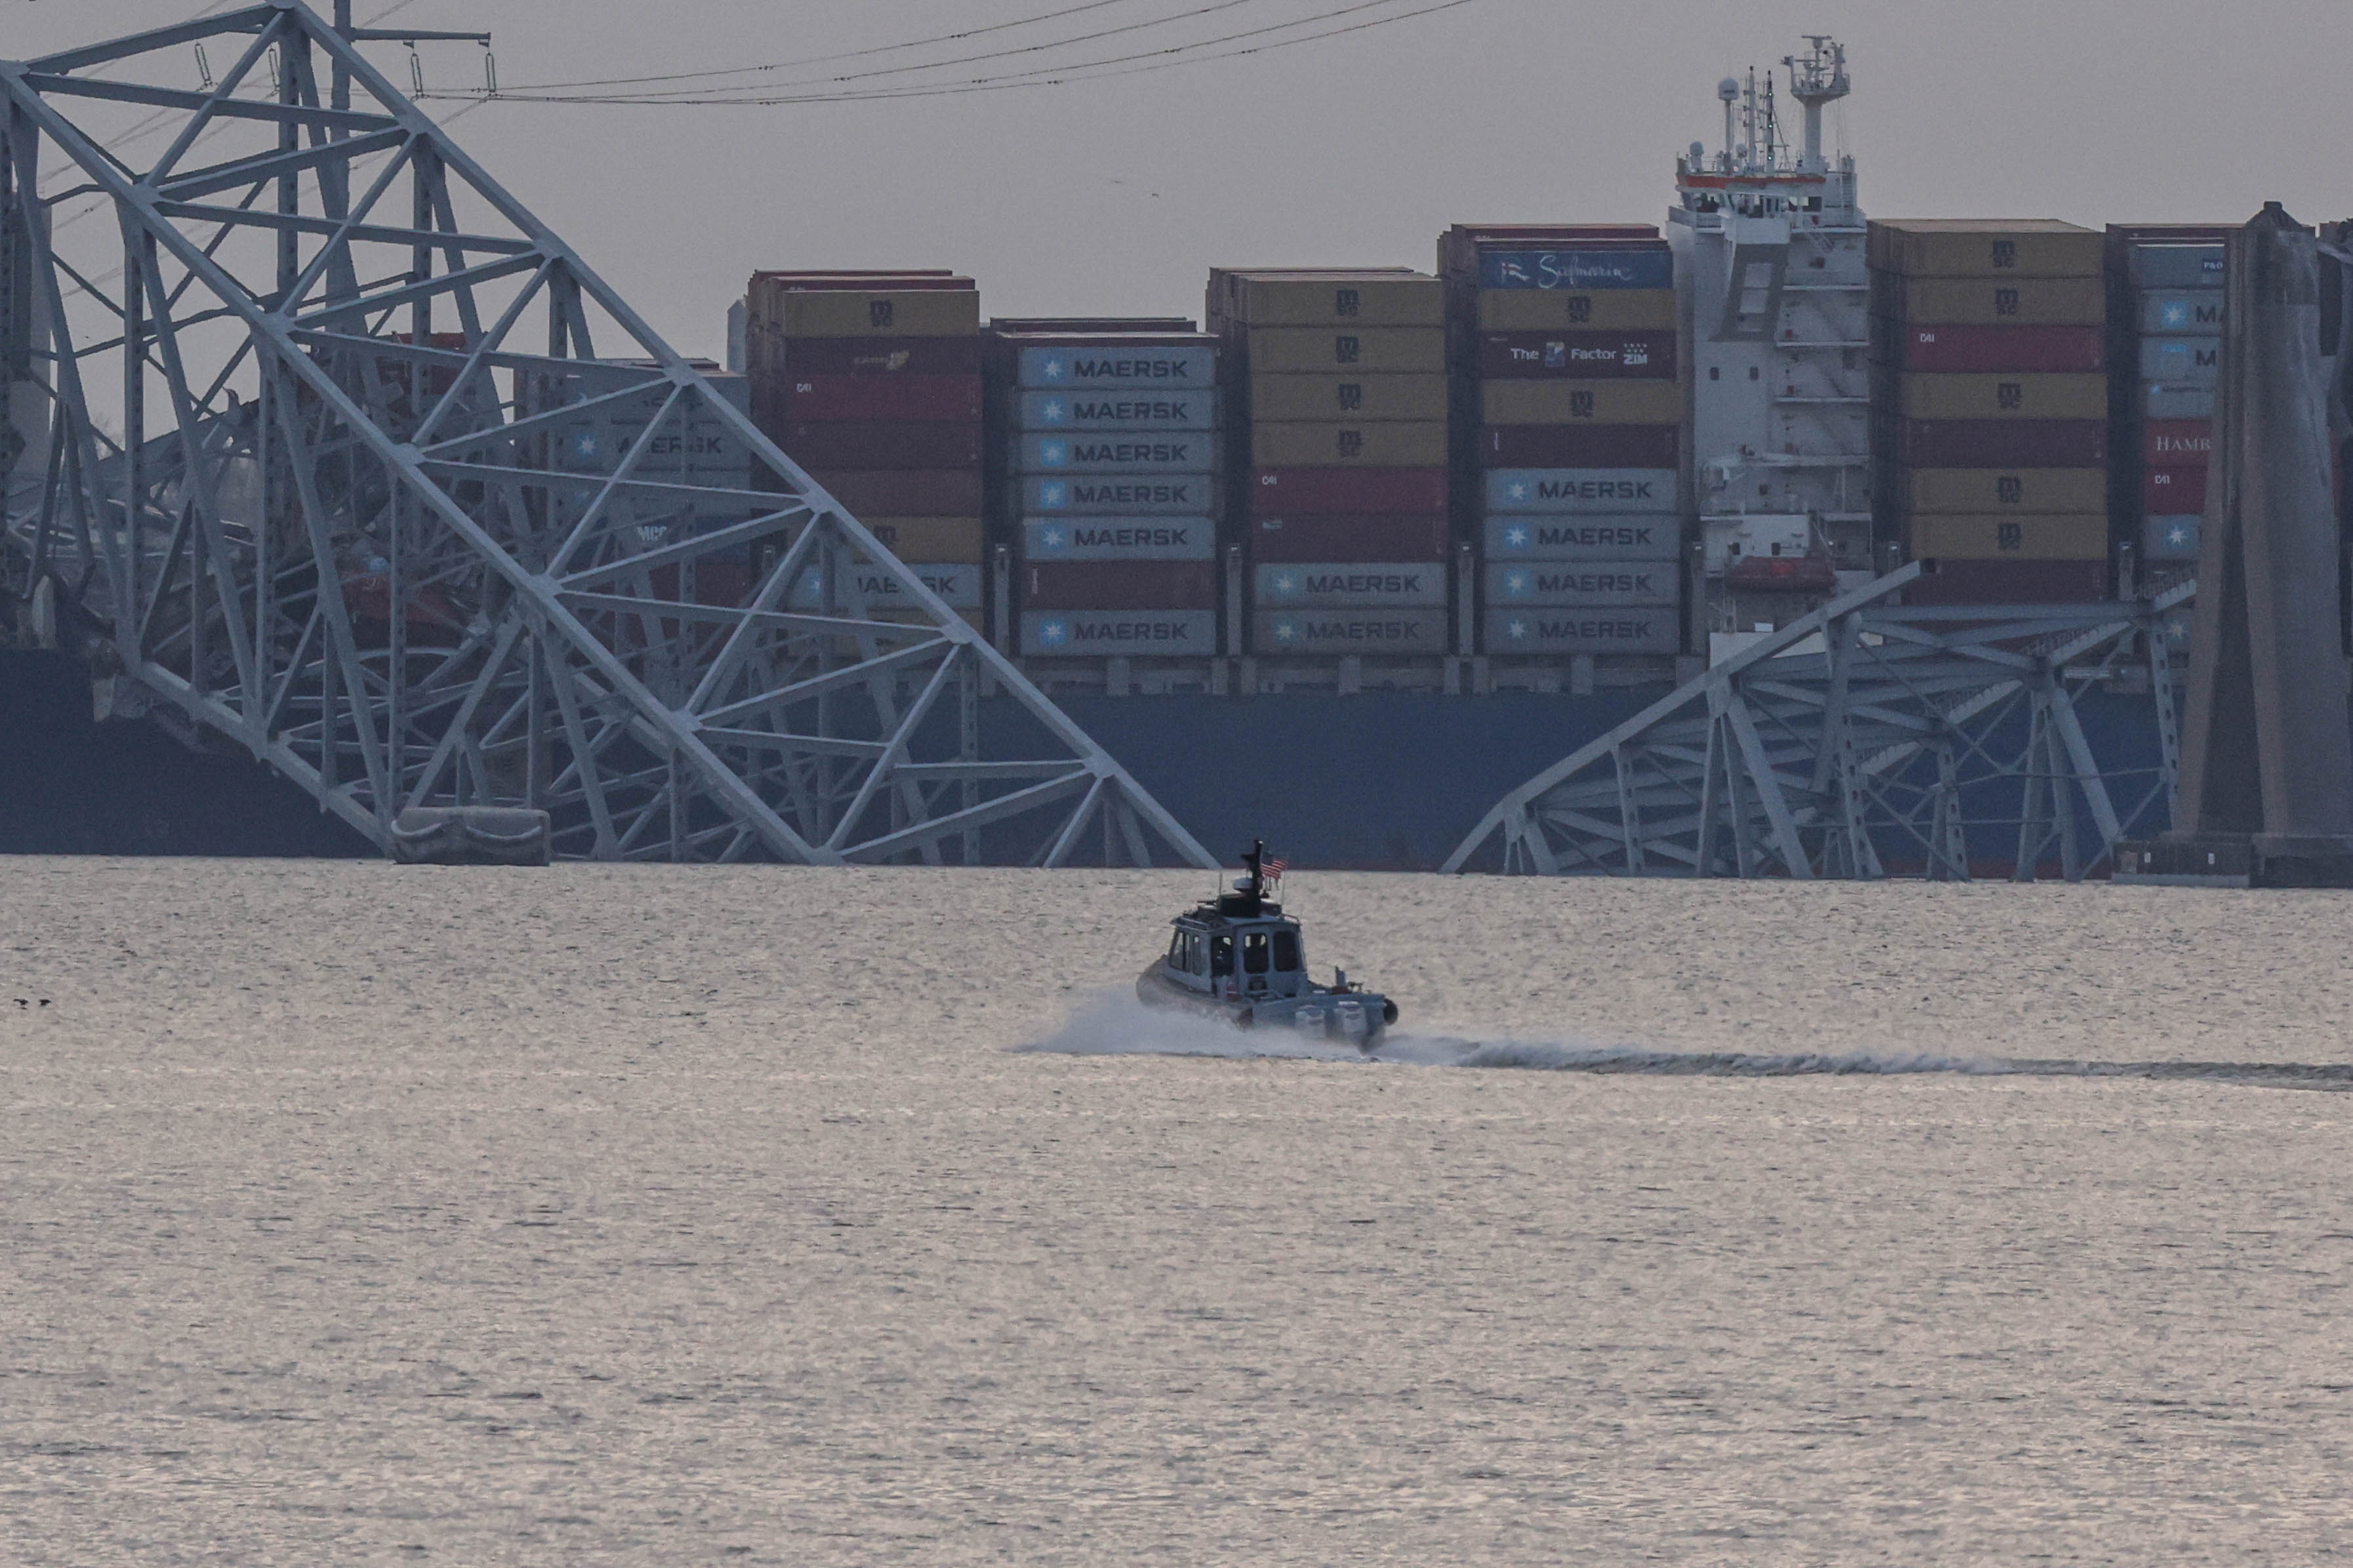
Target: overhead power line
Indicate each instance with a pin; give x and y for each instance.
(1137, 64)
(956, 37)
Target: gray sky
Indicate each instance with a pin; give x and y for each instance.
(1118, 195)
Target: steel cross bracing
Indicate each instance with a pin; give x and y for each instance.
(331, 447)
(1866, 735)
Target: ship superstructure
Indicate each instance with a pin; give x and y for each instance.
(1777, 311)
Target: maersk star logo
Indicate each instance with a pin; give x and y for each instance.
(1285, 583)
(1053, 368)
(2178, 536)
(1054, 454)
(1051, 539)
(1515, 537)
(1054, 633)
(2173, 314)
(1517, 630)
(1054, 412)
(584, 445)
(1516, 582)
(1053, 493)
(1286, 630)
(1516, 491)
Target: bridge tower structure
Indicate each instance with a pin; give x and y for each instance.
(326, 447)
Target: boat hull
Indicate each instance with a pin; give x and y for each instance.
(1360, 1016)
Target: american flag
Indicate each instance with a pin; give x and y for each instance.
(1272, 868)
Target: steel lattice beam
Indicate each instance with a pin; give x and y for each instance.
(1858, 735)
(317, 462)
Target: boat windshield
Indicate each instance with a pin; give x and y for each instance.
(1287, 951)
(1254, 953)
(1222, 954)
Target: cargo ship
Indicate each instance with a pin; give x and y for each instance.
(1361, 548)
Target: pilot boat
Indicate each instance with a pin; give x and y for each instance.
(1240, 958)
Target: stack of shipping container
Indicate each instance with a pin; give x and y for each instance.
(1108, 469)
(1335, 419)
(871, 381)
(2165, 320)
(1569, 435)
(1989, 408)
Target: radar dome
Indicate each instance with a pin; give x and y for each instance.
(1727, 90)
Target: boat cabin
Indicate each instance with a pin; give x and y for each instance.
(1218, 956)
(1242, 946)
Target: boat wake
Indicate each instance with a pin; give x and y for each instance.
(1116, 1025)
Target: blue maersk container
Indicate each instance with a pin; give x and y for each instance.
(1643, 536)
(1119, 538)
(1598, 490)
(1092, 367)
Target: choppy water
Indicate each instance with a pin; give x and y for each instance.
(350, 1214)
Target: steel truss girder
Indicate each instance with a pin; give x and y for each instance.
(353, 512)
(1855, 735)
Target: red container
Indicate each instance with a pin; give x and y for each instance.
(2011, 583)
(812, 399)
(803, 357)
(1582, 356)
(2172, 492)
(1120, 586)
(1349, 536)
(816, 446)
(905, 493)
(2057, 351)
(1580, 446)
(2002, 443)
(2176, 443)
(1285, 492)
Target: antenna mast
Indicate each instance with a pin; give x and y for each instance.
(1815, 80)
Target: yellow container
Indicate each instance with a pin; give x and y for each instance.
(1990, 490)
(1980, 247)
(1348, 397)
(1396, 445)
(1368, 350)
(1274, 297)
(1580, 402)
(1999, 396)
(946, 540)
(1547, 309)
(875, 314)
(1991, 303)
(2034, 536)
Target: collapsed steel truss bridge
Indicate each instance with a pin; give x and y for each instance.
(333, 451)
(1869, 734)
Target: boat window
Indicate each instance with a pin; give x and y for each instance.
(1221, 954)
(1195, 954)
(1176, 951)
(1287, 951)
(1254, 953)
